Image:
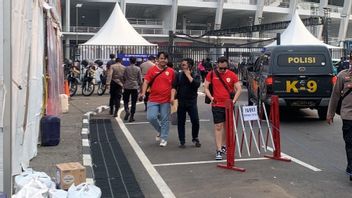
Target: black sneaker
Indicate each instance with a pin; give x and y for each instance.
(127, 114)
(182, 145)
(196, 142)
(223, 149)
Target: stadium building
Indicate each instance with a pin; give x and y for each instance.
(154, 19)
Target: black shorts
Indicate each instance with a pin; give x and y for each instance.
(219, 114)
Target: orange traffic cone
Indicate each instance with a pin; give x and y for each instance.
(67, 89)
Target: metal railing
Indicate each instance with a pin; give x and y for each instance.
(85, 29)
(192, 32)
(304, 5)
(136, 21)
(246, 2)
(149, 30)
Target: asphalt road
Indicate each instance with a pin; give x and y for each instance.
(317, 169)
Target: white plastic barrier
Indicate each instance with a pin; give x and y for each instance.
(84, 190)
(64, 103)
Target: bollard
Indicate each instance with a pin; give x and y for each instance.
(275, 120)
(230, 141)
(66, 88)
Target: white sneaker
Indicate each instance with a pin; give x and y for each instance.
(163, 143)
(157, 138)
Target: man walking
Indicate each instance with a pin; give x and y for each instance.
(132, 81)
(225, 86)
(144, 68)
(343, 88)
(159, 78)
(115, 82)
(185, 87)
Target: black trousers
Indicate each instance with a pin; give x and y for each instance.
(190, 107)
(126, 99)
(347, 136)
(115, 95)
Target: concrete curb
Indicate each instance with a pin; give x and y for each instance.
(86, 155)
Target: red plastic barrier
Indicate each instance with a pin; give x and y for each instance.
(230, 141)
(275, 120)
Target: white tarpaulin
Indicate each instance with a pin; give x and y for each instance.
(118, 31)
(27, 41)
(297, 34)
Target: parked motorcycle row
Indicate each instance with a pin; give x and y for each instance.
(87, 81)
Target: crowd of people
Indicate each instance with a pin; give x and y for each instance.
(159, 85)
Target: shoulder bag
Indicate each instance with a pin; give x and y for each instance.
(231, 93)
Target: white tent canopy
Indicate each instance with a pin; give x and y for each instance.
(118, 31)
(297, 34)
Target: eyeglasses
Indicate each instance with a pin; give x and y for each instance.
(222, 68)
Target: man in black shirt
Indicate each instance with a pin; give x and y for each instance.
(185, 87)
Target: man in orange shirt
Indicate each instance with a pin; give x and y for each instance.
(159, 78)
(218, 98)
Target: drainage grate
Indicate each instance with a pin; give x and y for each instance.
(112, 171)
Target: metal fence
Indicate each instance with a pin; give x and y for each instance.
(199, 53)
(94, 52)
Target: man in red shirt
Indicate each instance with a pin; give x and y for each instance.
(159, 79)
(218, 98)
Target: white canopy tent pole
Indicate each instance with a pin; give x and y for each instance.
(7, 122)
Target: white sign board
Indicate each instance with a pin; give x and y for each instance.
(250, 113)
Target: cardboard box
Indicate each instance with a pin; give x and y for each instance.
(69, 173)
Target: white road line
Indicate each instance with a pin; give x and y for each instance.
(208, 162)
(138, 123)
(298, 161)
(158, 180)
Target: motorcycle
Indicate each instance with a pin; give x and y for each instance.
(88, 84)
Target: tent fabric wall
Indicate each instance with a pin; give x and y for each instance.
(36, 77)
(54, 68)
(27, 48)
(20, 42)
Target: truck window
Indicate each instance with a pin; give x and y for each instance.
(309, 60)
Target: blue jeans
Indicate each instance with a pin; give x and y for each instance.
(160, 123)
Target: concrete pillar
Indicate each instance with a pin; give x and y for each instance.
(323, 4)
(174, 15)
(218, 16)
(67, 16)
(292, 7)
(258, 16)
(67, 48)
(345, 16)
(184, 24)
(123, 6)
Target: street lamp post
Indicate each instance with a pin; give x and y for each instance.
(78, 5)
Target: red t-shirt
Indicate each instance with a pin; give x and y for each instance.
(160, 91)
(220, 93)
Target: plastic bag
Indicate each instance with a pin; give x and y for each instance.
(57, 193)
(25, 177)
(34, 188)
(84, 190)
